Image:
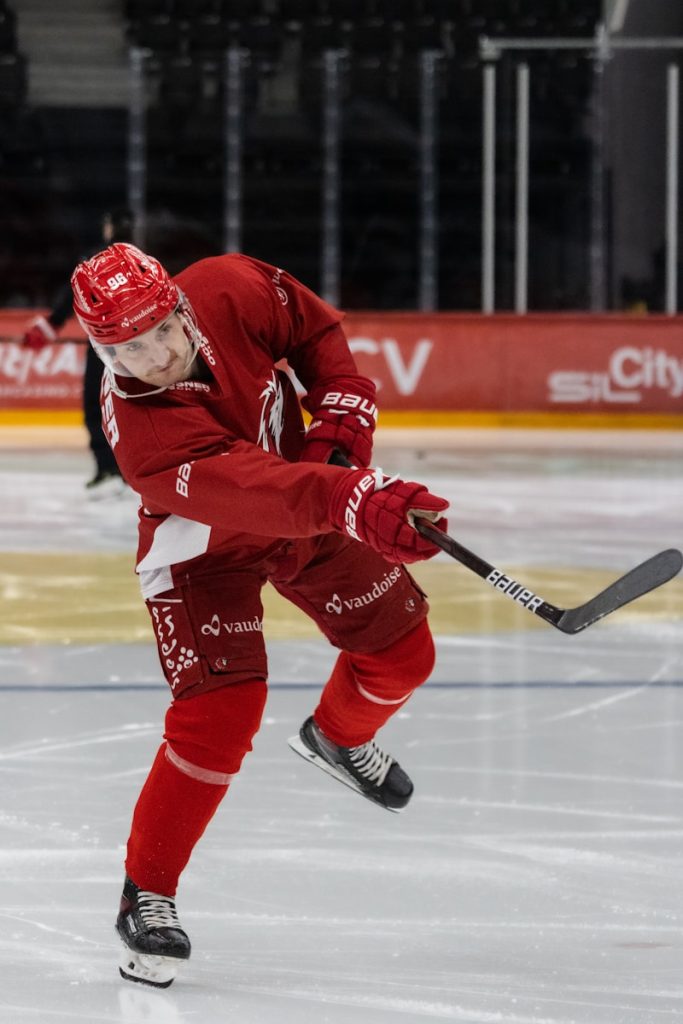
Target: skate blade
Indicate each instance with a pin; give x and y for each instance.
(300, 748)
(158, 971)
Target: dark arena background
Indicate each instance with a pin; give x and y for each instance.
(490, 191)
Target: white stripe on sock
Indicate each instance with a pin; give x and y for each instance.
(380, 700)
(195, 772)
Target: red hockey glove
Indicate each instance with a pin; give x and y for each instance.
(380, 511)
(343, 419)
(39, 334)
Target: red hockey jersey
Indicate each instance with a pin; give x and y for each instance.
(215, 463)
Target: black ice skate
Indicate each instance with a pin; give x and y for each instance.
(154, 943)
(366, 768)
(106, 484)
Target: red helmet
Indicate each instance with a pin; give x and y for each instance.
(121, 292)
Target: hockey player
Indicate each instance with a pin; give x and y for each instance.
(234, 491)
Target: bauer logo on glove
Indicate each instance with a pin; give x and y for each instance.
(339, 403)
(381, 512)
(344, 418)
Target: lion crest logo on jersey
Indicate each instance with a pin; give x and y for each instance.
(272, 415)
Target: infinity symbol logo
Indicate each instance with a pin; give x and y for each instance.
(213, 627)
(334, 606)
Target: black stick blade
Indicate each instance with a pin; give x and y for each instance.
(645, 577)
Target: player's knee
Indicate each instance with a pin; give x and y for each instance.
(214, 730)
(413, 656)
(406, 663)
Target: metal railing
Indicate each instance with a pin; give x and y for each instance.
(601, 48)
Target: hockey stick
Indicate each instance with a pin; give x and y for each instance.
(639, 581)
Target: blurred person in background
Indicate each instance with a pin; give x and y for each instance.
(117, 226)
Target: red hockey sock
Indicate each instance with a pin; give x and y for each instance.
(207, 737)
(170, 817)
(365, 690)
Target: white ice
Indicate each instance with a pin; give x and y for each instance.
(535, 877)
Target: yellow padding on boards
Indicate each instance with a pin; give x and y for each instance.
(421, 418)
(41, 417)
(93, 598)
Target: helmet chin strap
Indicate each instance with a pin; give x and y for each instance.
(126, 394)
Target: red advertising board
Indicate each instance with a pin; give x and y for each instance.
(513, 364)
(441, 363)
(49, 378)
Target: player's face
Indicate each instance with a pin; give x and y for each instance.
(162, 356)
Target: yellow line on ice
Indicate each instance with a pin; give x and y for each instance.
(86, 598)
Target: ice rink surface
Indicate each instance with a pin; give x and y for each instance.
(534, 879)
